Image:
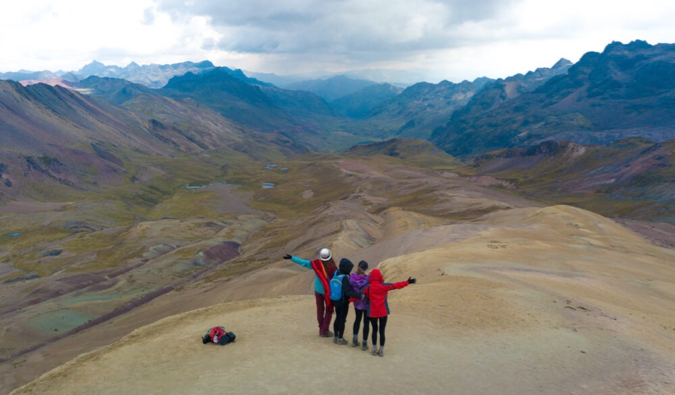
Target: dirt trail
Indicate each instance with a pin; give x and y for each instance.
(547, 301)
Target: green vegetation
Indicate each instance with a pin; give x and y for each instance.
(186, 203)
(60, 320)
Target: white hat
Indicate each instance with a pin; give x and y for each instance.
(325, 254)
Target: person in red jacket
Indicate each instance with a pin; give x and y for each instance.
(378, 310)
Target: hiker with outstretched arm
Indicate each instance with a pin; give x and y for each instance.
(324, 268)
(378, 311)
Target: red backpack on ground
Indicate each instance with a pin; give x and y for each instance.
(219, 335)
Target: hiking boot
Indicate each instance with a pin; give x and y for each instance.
(342, 342)
(355, 343)
(327, 334)
(374, 352)
(335, 339)
(381, 352)
(364, 346)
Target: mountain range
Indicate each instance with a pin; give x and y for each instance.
(153, 75)
(380, 110)
(625, 91)
(131, 194)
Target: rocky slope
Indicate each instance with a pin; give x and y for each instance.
(632, 178)
(625, 91)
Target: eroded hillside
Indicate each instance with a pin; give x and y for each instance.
(489, 263)
(546, 300)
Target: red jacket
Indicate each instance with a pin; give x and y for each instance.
(377, 292)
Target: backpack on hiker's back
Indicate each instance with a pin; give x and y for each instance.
(336, 286)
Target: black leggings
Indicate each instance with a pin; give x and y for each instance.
(357, 323)
(340, 320)
(382, 322)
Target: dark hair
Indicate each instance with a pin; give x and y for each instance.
(329, 263)
(363, 265)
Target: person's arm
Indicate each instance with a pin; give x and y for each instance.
(366, 292)
(399, 285)
(299, 261)
(349, 290)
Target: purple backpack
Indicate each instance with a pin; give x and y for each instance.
(358, 283)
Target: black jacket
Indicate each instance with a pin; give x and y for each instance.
(346, 267)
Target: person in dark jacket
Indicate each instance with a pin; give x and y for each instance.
(342, 304)
(359, 282)
(378, 311)
(324, 267)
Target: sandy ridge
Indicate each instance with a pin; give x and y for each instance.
(548, 301)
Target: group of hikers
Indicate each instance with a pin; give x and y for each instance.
(335, 287)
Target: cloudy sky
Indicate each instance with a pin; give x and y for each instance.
(404, 40)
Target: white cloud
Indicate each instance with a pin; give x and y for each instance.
(70, 33)
(452, 39)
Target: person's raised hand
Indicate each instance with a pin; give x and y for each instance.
(411, 280)
(287, 256)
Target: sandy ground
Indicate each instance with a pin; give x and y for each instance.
(550, 300)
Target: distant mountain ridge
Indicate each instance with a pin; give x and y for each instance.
(331, 88)
(421, 107)
(152, 75)
(625, 91)
(29, 75)
(362, 102)
(265, 108)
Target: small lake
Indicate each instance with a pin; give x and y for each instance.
(188, 186)
(268, 185)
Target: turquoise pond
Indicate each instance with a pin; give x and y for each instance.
(60, 320)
